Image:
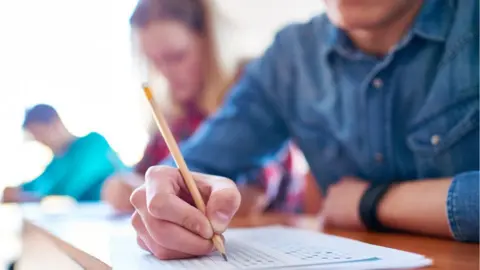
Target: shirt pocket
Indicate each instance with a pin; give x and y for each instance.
(447, 144)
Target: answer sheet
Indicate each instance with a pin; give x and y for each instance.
(261, 248)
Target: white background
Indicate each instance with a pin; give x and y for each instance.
(76, 56)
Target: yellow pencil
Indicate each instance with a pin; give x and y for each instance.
(181, 164)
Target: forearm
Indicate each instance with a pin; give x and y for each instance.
(439, 207)
(418, 207)
(16, 195)
(25, 196)
(10, 195)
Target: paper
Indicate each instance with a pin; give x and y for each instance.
(271, 248)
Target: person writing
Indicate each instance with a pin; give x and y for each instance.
(79, 165)
(381, 97)
(176, 38)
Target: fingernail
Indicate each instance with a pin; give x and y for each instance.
(220, 221)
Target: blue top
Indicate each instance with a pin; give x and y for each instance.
(412, 114)
(79, 172)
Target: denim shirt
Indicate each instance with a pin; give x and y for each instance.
(410, 115)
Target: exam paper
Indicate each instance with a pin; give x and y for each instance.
(267, 248)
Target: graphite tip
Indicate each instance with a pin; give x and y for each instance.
(224, 257)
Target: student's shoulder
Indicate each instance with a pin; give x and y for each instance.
(300, 33)
(315, 25)
(296, 40)
(92, 138)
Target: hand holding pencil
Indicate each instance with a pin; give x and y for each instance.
(180, 214)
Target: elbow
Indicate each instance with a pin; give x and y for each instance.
(463, 207)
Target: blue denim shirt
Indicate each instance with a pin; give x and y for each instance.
(410, 115)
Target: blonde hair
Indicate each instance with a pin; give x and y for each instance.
(198, 16)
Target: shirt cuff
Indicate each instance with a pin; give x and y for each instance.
(27, 187)
(462, 207)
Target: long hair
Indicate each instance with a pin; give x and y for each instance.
(197, 16)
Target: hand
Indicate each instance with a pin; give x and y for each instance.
(11, 195)
(16, 195)
(167, 224)
(340, 207)
(116, 191)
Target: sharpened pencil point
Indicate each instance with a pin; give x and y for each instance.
(224, 257)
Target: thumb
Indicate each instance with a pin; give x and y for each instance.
(223, 202)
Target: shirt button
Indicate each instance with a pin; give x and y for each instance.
(379, 157)
(377, 83)
(435, 140)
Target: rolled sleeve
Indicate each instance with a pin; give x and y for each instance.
(462, 207)
(37, 185)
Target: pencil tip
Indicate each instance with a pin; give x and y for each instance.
(224, 257)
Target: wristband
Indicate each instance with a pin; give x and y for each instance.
(369, 204)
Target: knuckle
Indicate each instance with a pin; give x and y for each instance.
(189, 223)
(157, 204)
(136, 222)
(232, 198)
(159, 252)
(226, 181)
(138, 197)
(158, 171)
(165, 235)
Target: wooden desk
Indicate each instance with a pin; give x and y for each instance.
(446, 254)
(41, 252)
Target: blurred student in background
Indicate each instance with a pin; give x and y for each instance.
(79, 166)
(177, 40)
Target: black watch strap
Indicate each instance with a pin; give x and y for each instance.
(368, 207)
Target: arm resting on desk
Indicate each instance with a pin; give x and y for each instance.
(16, 195)
(441, 207)
(25, 192)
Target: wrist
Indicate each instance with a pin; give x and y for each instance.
(370, 205)
(385, 214)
